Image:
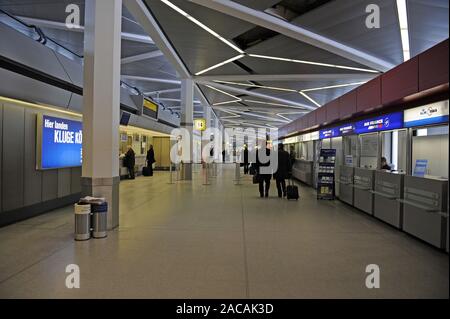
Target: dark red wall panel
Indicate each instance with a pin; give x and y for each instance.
(347, 104)
(400, 82)
(321, 115)
(369, 95)
(433, 66)
(332, 110)
(298, 125)
(311, 119)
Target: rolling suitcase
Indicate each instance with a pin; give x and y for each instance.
(146, 171)
(292, 191)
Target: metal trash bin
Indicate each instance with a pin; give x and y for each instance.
(82, 221)
(99, 219)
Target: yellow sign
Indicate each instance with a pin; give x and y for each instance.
(199, 124)
(150, 105)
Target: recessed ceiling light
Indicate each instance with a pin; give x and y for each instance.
(312, 63)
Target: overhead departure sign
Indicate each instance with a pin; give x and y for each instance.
(381, 123)
(150, 109)
(426, 115)
(59, 142)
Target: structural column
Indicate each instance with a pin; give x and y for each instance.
(101, 103)
(187, 122)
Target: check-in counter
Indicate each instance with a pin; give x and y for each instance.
(140, 162)
(425, 209)
(346, 189)
(303, 171)
(387, 194)
(363, 182)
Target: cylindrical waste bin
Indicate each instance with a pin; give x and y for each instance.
(99, 219)
(82, 221)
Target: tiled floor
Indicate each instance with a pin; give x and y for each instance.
(219, 241)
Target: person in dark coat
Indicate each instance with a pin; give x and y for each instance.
(246, 163)
(129, 161)
(150, 159)
(263, 177)
(384, 164)
(223, 156)
(283, 170)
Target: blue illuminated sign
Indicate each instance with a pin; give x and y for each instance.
(381, 123)
(61, 143)
(337, 131)
(328, 133)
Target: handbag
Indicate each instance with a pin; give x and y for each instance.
(256, 179)
(252, 169)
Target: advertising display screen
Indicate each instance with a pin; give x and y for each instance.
(59, 142)
(381, 123)
(426, 115)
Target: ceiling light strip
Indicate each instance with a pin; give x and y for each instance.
(309, 99)
(201, 25)
(312, 63)
(256, 86)
(332, 86)
(274, 104)
(403, 22)
(220, 64)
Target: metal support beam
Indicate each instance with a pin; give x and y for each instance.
(146, 79)
(140, 57)
(267, 21)
(288, 77)
(62, 26)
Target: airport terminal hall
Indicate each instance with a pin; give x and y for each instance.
(232, 157)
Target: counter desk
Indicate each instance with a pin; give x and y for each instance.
(303, 171)
(363, 183)
(346, 175)
(425, 209)
(140, 162)
(387, 195)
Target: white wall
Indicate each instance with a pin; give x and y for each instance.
(435, 150)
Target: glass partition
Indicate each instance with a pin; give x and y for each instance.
(368, 150)
(350, 150)
(430, 146)
(394, 149)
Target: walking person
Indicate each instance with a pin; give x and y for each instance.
(262, 175)
(129, 162)
(150, 160)
(246, 163)
(283, 170)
